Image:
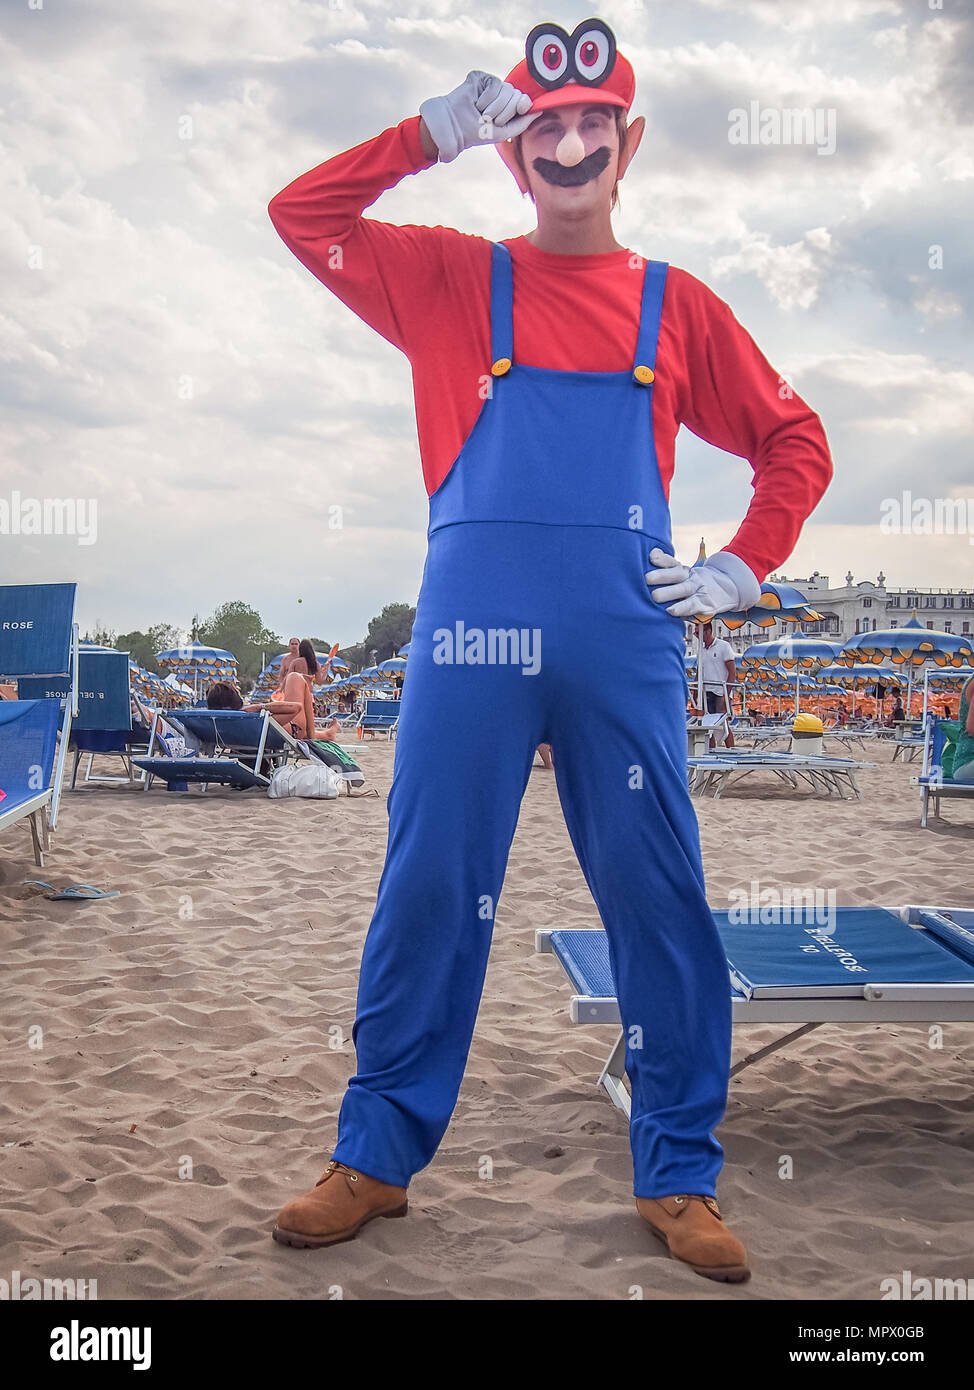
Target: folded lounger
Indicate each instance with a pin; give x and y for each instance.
(233, 745)
(715, 772)
(761, 735)
(868, 965)
(28, 744)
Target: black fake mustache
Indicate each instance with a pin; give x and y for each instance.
(571, 177)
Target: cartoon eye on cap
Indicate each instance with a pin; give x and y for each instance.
(594, 51)
(547, 53)
(555, 58)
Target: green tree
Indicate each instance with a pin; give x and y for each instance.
(240, 629)
(143, 646)
(388, 631)
(101, 636)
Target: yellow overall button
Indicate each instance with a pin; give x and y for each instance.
(644, 375)
(501, 367)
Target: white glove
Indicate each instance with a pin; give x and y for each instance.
(722, 584)
(481, 111)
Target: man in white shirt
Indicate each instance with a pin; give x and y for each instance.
(717, 665)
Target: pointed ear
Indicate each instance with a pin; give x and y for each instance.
(505, 148)
(633, 136)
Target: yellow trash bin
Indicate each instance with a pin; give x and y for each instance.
(807, 735)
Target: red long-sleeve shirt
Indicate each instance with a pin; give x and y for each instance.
(427, 291)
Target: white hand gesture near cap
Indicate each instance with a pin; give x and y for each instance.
(481, 111)
(722, 584)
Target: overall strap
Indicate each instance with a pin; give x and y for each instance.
(654, 282)
(501, 309)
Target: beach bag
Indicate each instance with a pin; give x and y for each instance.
(336, 757)
(306, 779)
(173, 743)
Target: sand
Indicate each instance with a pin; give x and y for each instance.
(196, 1037)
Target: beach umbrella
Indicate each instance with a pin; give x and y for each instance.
(858, 678)
(951, 679)
(800, 654)
(197, 662)
(393, 667)
(793, 653)
(911, 645)
(778, 603)
(404, 649)
(787, 683)
(196, 654)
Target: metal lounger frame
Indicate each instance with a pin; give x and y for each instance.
(717, 772)
(934, 789)
(882, 1003)
(267, 724)
(37, 812)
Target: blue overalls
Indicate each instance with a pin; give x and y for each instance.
(540, 534)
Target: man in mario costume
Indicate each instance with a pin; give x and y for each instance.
(551, 373)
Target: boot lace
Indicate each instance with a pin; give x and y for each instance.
(335, 1167)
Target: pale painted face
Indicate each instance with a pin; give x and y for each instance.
(571, 155)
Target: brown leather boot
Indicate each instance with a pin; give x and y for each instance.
(692, 1229)
(337, 1207)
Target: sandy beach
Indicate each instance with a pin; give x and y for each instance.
(196, 1037)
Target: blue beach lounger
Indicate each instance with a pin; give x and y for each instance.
(868, 965)
(232, 747)
(717, 770)
(932, 782)
(380, 714)
(28, 741)
(39, 649)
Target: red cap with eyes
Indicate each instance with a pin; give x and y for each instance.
(561, 69)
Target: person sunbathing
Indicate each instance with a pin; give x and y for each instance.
(294, 712)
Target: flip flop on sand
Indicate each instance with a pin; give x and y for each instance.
(72, 892)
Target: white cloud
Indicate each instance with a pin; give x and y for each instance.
(161, 266)
(807, 15)
(791, 274)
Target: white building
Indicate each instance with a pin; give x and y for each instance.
(863, 605)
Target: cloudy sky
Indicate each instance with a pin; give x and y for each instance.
(162, 352)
